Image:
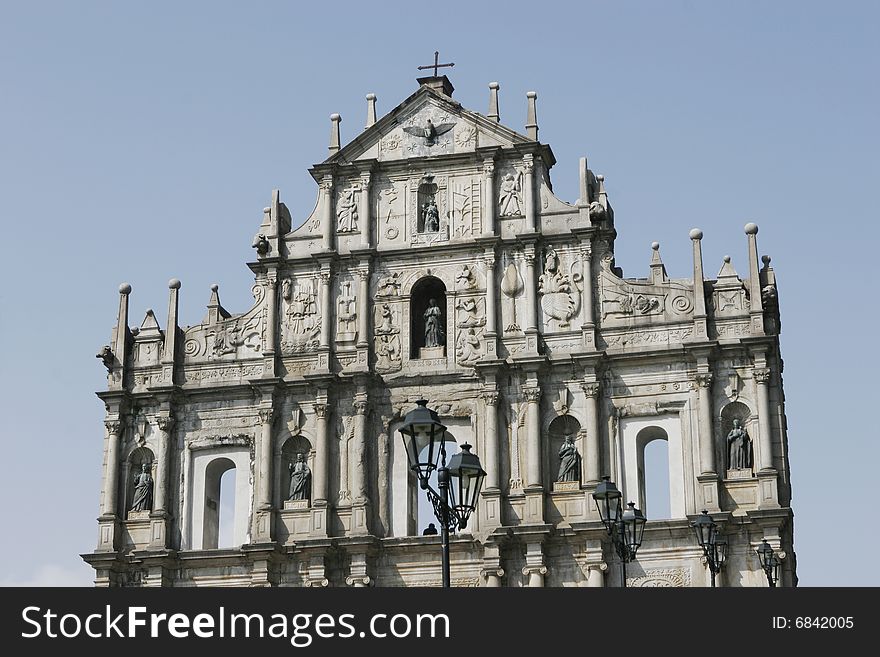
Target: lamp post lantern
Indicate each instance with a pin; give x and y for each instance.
(770, 562)
(712, 542)
(626, 527)
(424, 440)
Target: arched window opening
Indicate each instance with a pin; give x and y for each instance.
(219, 504)
(428, 319)
(655, 492)
(426, 515)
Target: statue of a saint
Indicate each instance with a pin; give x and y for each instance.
(143, 490)
(300, 479)
(739, 448)
(569, 461)
(433, 331)
(432, 217)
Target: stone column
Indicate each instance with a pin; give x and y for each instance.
(762, 378)
(165, 424)
(111, 468)
(529, 193)
(264, 497)
(489, 198)
(322, 444)
(364, 210)
(592, 455)
(707, 447)
(491, 293)
(358, 477)
(596, 577)
(533, 449)
(271, 327)
(325, 305)
(531, 289)
(491, 443)
(588, 327)
(328, 226)
(363, 306)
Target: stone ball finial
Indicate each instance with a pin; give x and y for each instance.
(214, 287)
(727, 259)
(766, 260)
(494, 85)
(751, 229)
(531, 94)
(174, 284)
(696, 234)
(601, 177)
(149, 311)
(125, 288)
(335, 117)
(370, 96)
(655, 246)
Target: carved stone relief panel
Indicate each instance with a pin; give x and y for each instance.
(623, 301)
(346, 313)
(386, 340)
(428, 132)
(300, 319)
(391, 199)
(510, 192)
(512, 288)
(662, 577)
(560, 287)
(465, 208)
(428, 209)
(347, 219)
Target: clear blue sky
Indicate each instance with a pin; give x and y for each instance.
(140, 141)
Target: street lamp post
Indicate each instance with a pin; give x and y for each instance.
(424, 440)
(625, 528)
(713, 543)
(769, 562)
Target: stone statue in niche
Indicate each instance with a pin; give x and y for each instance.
(510, 201)
(433, 330)
(143, 490)
(569, 461)
(560, 299)
(300, 479)
(431, 216)
(739, 448)
(346, 212)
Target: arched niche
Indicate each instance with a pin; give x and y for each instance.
(426, 290)
(560, 428)
(290, 451)
(427, 213)
(737, 411)
(139, 457)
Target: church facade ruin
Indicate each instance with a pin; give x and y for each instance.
(438, 263)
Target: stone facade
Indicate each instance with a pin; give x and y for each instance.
(541, 337)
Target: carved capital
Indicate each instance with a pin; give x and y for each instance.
(321, 410)
(353, 580)
(540, 570)
(703, 380)
(529, 257)
(317, 583)
(490, 572)
(165, 423)
(587, 251)
(599, 565)
(324, 277)
(489, 260)
(265, 415)
(489, 167)
(590, 390)
(363, 274)
(490, 397)
(365, 178)
(114, 427)
(528, 164)
(762, 375)
(533, 395)
(360, 406)
(326, 184)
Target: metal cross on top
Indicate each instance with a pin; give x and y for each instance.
(435, 65)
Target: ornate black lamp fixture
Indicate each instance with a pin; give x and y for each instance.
(769, 562)
(625, 528)
(713, 543)
(423, 433)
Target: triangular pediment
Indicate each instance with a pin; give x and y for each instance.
(405, 133)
